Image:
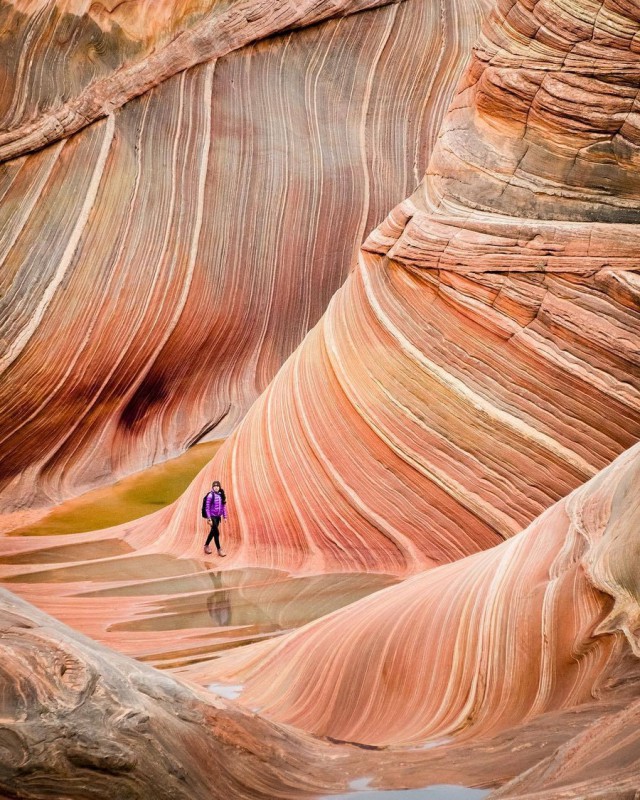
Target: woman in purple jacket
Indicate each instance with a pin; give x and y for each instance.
(216, 510)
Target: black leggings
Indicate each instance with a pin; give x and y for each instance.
(214, 533)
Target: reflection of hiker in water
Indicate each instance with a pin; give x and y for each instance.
(219, 603)
(214, 508)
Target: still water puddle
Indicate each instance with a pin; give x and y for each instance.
(86, 551)
(432, 743)
(159, 608)
(140, 569)
(226, 690)
(130, 498)
(261, 601)
(157, 593)
(435, 792)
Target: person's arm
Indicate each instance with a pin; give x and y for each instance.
(224, 511)
(208, 506)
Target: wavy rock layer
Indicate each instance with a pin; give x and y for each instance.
(428, 416)
(148, 293)
(99, 78)
(484, 357)
(536, 168)
(169, 612)
(479, 363)
(542, 622)
(583, 767)
(433, 667)
(51, 51)
(82, 721)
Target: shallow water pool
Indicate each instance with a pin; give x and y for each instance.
(435, 792)
(129, 498)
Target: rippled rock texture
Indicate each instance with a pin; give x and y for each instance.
(508, 668)
(542, 622)
(158, 266)
(82, 721)
(483, 358)
(466, 412)
(516, 668)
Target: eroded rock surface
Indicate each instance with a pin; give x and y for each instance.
(157, 267)
(483, 359)
(542, 622)
(476, 374)
(509, 667)
(79, 720)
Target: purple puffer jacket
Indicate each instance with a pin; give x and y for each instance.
(214, 506)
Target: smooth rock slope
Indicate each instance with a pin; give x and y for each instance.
(159, 265)
(465, 414)
(542, 622)
(483, 358)
(81, 721)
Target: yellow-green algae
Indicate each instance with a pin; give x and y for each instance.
(130, 498)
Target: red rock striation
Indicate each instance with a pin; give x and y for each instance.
(81, 721)
(218, 29)
(84, 721)
(148, 294)
(601, 762)
(511, 666)
(477, 374)
(483, 359)
(543, 622)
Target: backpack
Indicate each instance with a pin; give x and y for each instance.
(204, 505)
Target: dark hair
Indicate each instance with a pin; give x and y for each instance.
(223, 496)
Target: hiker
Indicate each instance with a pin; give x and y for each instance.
(214, 508)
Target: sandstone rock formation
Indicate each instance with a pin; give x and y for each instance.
(457, 385)
(542, 622)
(512, 666)
(81, 721)
(467, 408)
(196, 32)
(581, 769)
(158, 266)
(483, 358)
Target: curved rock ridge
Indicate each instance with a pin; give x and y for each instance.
(483, 359)
(87, 722)
(140, 19)
(219, 28)
(52, 50)
(536, 166)
(580, 768)
(165, 293)
(479, 363)
(429, 415)
(542, 622)
(544, 615)
(79, 720)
